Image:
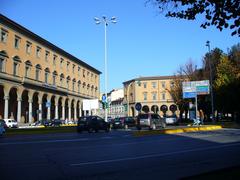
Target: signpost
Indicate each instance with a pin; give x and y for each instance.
(192, 89)
(138, 106)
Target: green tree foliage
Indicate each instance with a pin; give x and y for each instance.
(219, 13)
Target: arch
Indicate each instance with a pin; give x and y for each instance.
(3, 53)
(173, 108)
(145, 108)
(12, 105)
(38, 66)
(28, 63)
(17, 58)
(155, 109)
(55, 73)
(47, 70)
(164, 109)
(62, 75)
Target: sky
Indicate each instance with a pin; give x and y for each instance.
(141, 43)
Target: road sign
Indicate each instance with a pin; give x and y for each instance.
(138, 106)
(104, 98)
(193, 88)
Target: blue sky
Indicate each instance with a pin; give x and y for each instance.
(142, 43)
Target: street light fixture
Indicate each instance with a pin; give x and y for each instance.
(211, 81)
(106, 22)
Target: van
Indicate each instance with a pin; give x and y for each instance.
(151, 121)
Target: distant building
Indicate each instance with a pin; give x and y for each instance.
(116, 107)
(151, 92)
(39, 80)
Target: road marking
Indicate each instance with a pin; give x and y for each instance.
(47, 141)
(152, 155)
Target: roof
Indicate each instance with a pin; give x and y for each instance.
(8, 22)
(149, 78)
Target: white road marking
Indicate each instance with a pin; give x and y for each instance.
(152, 155)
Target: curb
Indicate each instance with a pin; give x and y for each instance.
(176, 131)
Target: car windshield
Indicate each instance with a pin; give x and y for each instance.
(143, 116)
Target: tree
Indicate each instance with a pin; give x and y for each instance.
(219, 13)
(227, 86)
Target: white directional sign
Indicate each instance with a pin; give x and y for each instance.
(193, 88)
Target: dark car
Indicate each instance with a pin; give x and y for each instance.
(3, 123)
(117, 123)
(92, 123)
(124, 122)
(56, 122)
(151, 121)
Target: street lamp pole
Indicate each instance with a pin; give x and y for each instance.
(105, 21)
(211, 81)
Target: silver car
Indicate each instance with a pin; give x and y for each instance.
(151, 121)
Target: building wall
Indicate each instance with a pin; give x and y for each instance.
(67, 77)
(149, 91)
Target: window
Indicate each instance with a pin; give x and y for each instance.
(17, 42)
(15, 68)
(145, 85)
(145, 96)
(46, 75)
(28, 65)
(79, 70)
(79, 86)
(67, 84)
(154, 96)
(47, 53)
(37, 74)
(28, 47)
(163, 84)
(61, 62)
(154, 85)
(68, 63)
(27, 69)
(16, 62)
(2, 64)
(54, 76)
(61, 79)
(4, 35)
(73, 85)
(73, 68)
(38, 52)
(54, 59)
(83, 72)
(163, 96)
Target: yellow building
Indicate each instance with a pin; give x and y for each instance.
(39, 80)
(151, 92)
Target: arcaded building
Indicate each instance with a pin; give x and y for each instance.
(39, 80)
(153, 93)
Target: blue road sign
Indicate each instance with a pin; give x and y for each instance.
(138, 106)
(104, 98)
(189, 94)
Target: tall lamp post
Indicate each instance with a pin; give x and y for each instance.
(211, 81)
(106, 22)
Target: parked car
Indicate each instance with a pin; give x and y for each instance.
(151, 121)
(124, 122)
(56, 122)
(173, 120)
(2, 127)
(92, 123)
(11, 123)
(117, 123)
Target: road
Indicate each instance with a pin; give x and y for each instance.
(117, 155)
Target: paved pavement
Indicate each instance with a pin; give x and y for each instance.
(117, 155)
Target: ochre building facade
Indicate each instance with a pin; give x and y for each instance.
(153, 93)
(39, 80)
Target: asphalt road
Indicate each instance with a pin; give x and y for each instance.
(117, 155)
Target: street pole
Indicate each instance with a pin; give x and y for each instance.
(106, 22)
(211, 81)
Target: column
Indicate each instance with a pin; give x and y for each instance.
(30, 111)
(19, 110)
(80, 110)
(69, 112)
(48, 112)
(63, 112)
(40, 110)
(6, 98)
(75, 113)
(56, 111)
